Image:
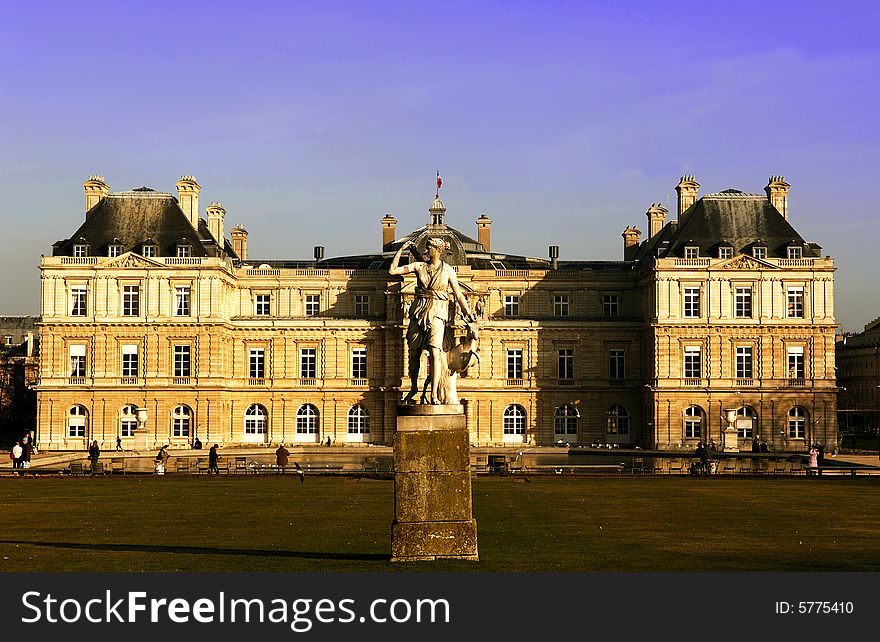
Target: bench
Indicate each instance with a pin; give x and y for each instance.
(573, 468)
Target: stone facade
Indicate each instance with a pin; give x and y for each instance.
(858, 374)
(244, 351)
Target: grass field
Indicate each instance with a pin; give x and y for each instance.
(342, 524)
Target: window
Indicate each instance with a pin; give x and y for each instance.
(128, 421)
(610, 305)
(261, 305)
(745, 422)
(182, 361)
(795, 301)
(725, 252)
(131, 296)
(796, 362)
(616, 365)
(759, 252)
(742, 303)
(692, 302)
(184, 251)
(181, 301)
(797, 423)
(693, 422)
(743, 362)
(76, 421)
(130, 360)
(514, 423)
(358, 422)
(78, 360)
(617, 421)
(511, 305)
(149, 251)
(313, 305)
(78, 300)
(560, 306)
(257, 363)
(691, 252)
(565, 360)
(361, 305)
(7, 339)
(692, 362)
(308, 363)
(795, 252)
(307, 420)
(498, 265)
(114, 250)
(359, 363)
(79, 251)
(514, 363)
(565, 423)
(181, 419)
(255, 420)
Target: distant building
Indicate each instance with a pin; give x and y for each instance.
(858, 375)
(149, 306)
(18, 377)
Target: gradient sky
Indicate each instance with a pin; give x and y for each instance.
(563, 121)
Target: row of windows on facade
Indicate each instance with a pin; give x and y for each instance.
(131, 302)
(726, 252)
(182, 250)
(743, 363)
(562, 305)
(742, 302)
(566, 419)
(746, 422)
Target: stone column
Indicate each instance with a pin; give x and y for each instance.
(433, 517)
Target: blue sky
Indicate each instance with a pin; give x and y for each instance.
(563, 121)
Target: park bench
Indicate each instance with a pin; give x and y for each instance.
(117, 465)
(559, 469)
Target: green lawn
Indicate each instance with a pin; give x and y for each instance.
(341, 524)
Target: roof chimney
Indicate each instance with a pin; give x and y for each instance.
(484, 231)
(216, 216)
(631, 238)
(188, 189)
(239, 241)
(319, 253)
(96, 189)
(389, 226)
(777, 193)
(687, 189)
(554, 254)
(656, 219)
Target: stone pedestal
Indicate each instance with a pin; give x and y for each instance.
(731, 440)
(433, 516)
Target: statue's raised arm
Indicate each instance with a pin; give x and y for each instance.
(396, 269)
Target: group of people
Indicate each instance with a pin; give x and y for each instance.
(703, 452)
(21, 452)
(759, 445)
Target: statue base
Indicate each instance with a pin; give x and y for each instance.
(433, 511)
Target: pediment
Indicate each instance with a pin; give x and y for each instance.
(745, 262)
(131, 260)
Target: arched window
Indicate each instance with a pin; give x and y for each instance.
(693, 422)
(565, 423)
(307, 423)
(797, 423)
(255, 420)
(128, 420)
(514, 424)
(745, 422)
(77, 417)
(181, 420)
(358, 422)
(617, 421)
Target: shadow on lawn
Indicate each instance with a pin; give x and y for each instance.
(197, 550)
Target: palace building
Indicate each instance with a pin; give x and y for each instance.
(152, 311)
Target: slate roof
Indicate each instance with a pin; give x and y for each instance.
(730, 217)
(135, 217)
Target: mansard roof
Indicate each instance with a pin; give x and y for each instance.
(730, 217)
(138, 217)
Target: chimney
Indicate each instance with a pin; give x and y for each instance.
(554, 254)
(687, 189)
(777, 194)
(216, 216)
(631, 238)
(30, 344)
(389, 226)
(484, 229)
(239, 241)
(319, 253)
(656, 219)
(188, 189)
(96, 189)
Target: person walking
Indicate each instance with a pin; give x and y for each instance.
(26, 451)
(118, 443)
(813, 460)
(820, 457)
(162, 458)
(94, 454)
(212, 460)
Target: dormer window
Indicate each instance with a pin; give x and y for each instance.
(149, 251)
(80, 250)
(691, 252)
(114, 249)
(795, 252)
(725, 252)
(759, 251)
(184, 251)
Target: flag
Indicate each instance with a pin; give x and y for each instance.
(439, 181)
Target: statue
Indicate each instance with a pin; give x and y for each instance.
(429, 318)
